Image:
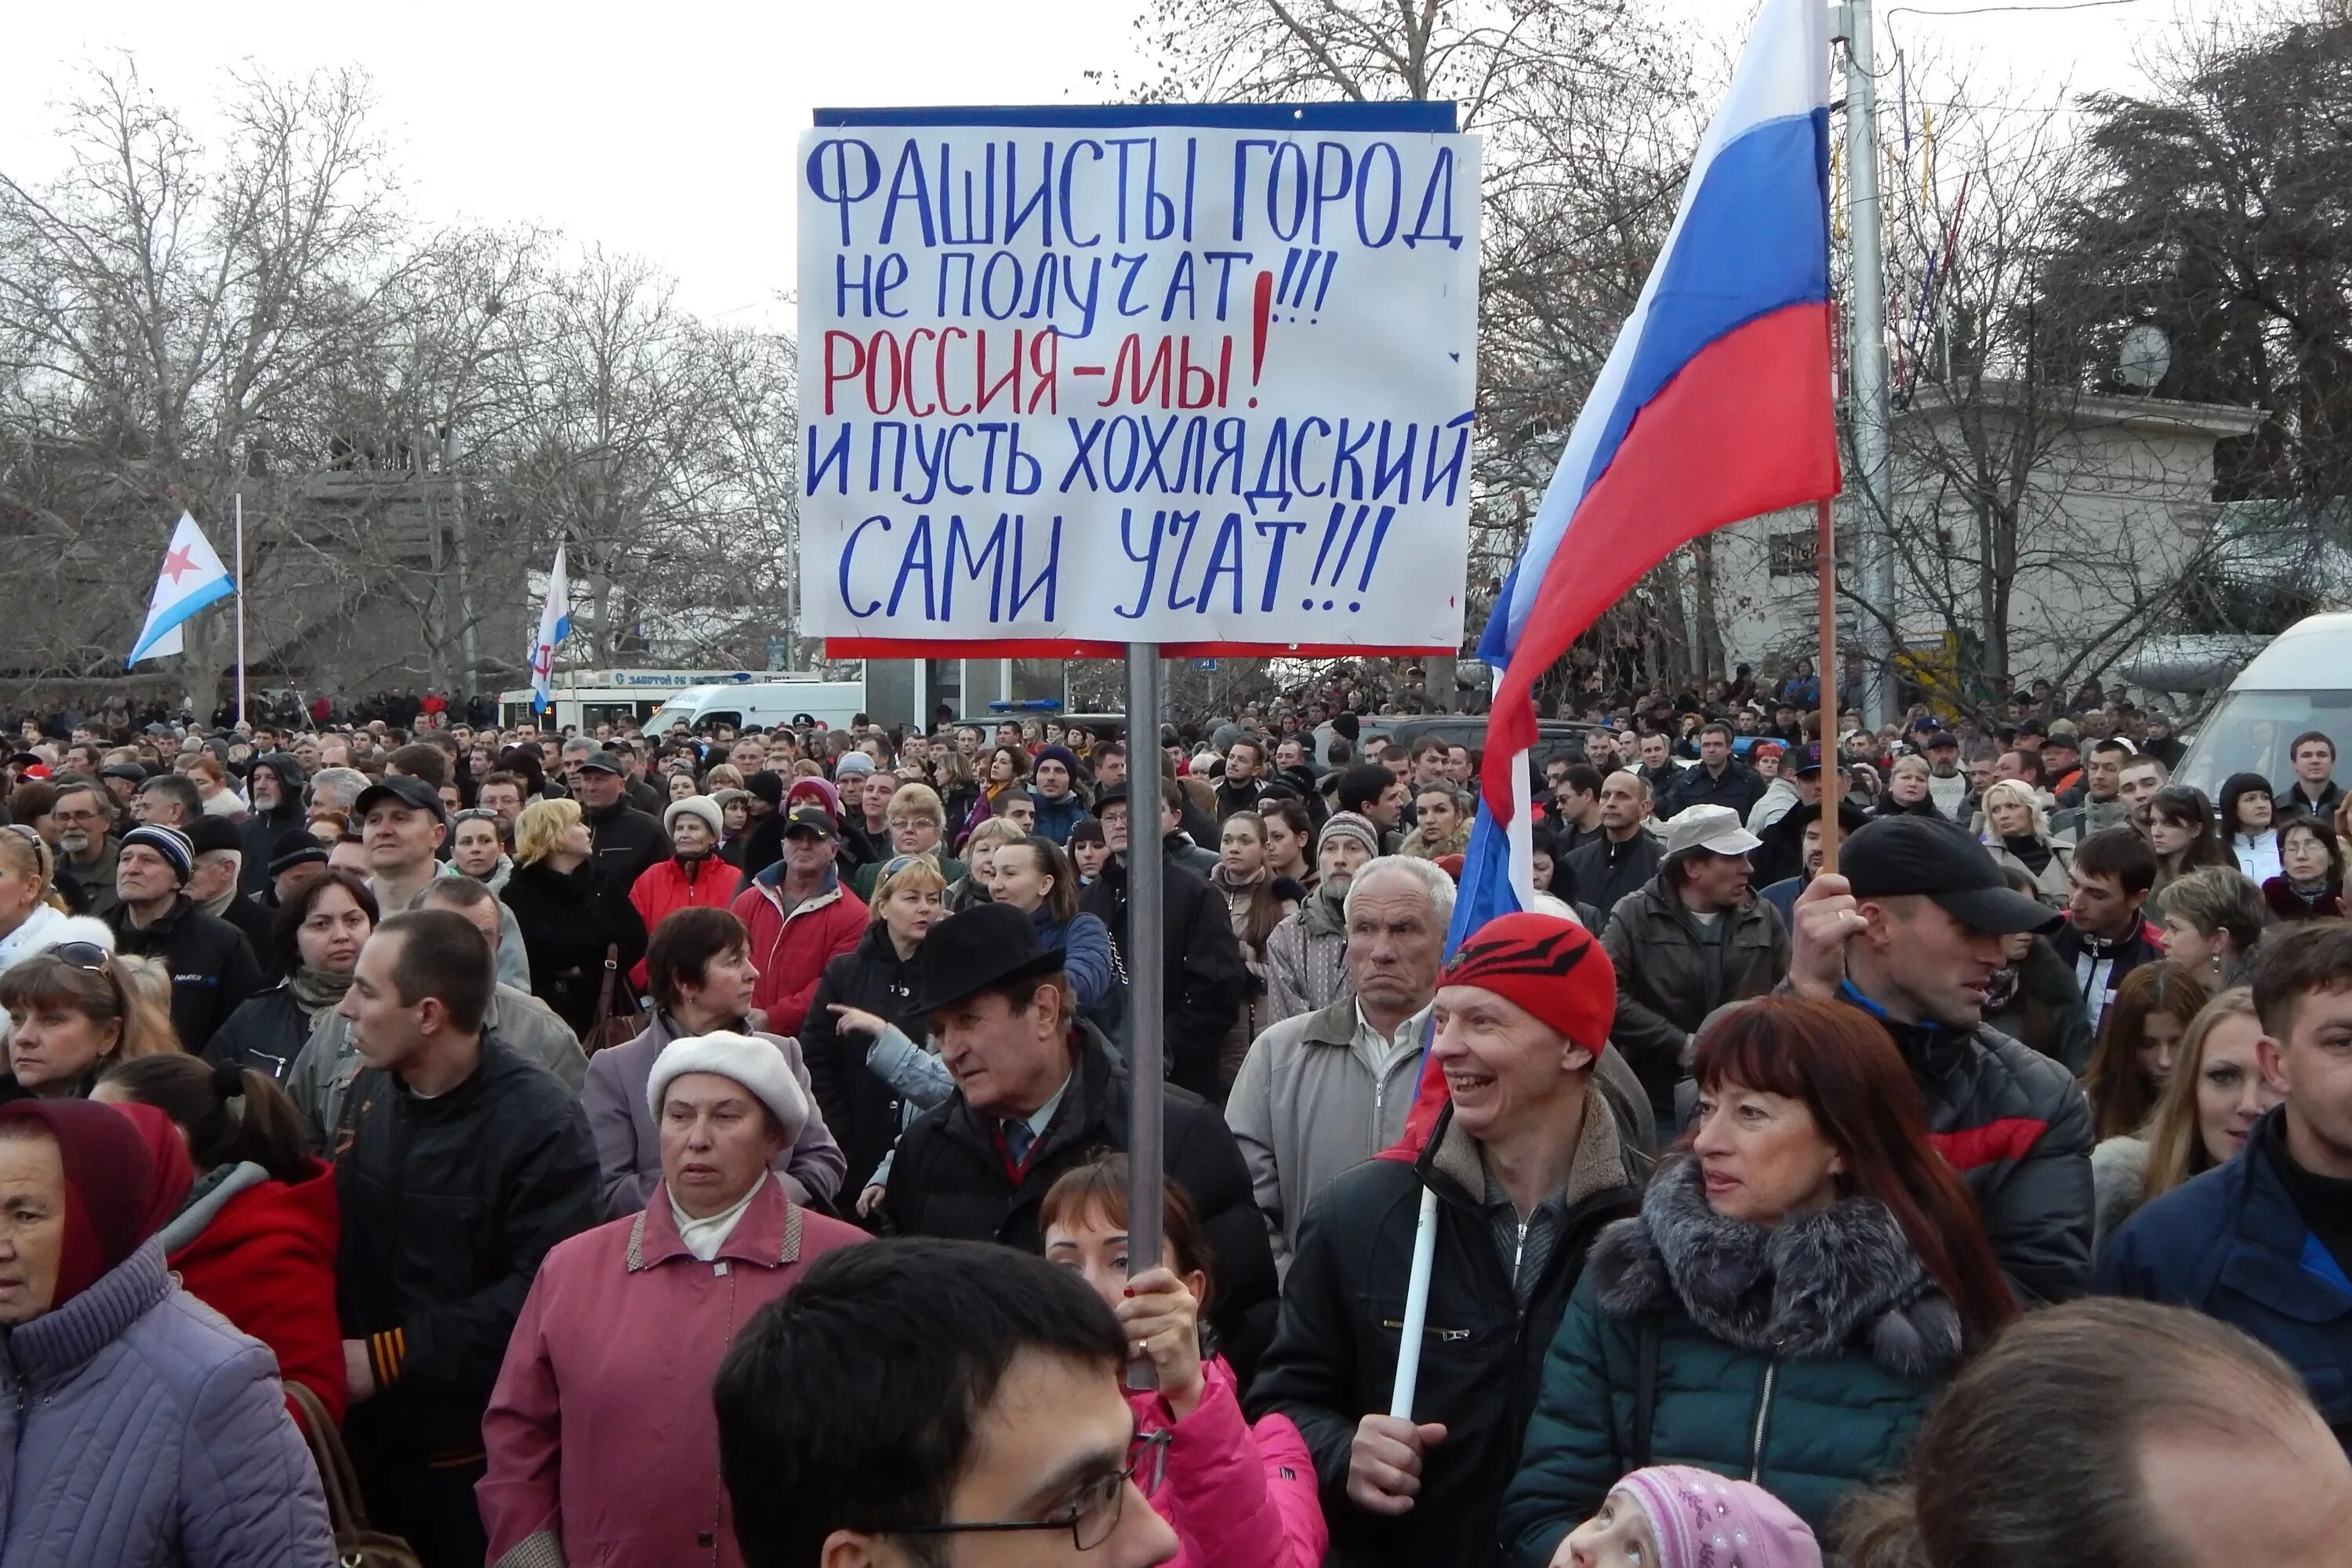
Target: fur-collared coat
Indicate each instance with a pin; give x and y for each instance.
(1800, 1357)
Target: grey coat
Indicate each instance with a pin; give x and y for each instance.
(628, 1145)
(139, 1430)
(1307, 960)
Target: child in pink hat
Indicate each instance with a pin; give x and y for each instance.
(1673, 1515)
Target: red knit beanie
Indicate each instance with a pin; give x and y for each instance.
(1551, 966)
(109, 1181)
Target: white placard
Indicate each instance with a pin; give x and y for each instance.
(1206, 387)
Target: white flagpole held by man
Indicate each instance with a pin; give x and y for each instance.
(554, 626)
(192, 577)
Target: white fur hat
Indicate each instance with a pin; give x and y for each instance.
(757, 1064)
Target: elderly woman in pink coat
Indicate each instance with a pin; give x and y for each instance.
(603, 1447)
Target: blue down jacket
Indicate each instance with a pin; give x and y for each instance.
(139, 1430)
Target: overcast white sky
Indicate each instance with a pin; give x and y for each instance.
(666, 131)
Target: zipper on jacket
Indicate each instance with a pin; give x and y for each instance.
(1763, 1413)
(1442, 1336)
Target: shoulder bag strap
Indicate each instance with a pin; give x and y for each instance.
(612, 978)
(346, 1515)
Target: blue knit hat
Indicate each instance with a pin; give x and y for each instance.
(170, 843)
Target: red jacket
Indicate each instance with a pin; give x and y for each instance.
(261, 1253)
(669, 885)
(793, 951)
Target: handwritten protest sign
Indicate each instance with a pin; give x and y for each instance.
(1075, 383)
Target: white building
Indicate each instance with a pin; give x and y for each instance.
(2091, 507)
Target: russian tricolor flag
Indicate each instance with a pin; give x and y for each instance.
(1714, 407)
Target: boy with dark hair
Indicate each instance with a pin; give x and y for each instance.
(909, 1394)
(2107, 934)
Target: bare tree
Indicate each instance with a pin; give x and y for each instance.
(158, 310)
(1587, 112)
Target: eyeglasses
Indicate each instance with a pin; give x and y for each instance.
(1092, 1515)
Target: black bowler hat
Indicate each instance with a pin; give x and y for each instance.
(986, 945)
(1904, 856)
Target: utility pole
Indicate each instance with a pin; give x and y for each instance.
(1867, 357)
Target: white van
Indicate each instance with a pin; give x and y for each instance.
(2302, 682)
(836, 704)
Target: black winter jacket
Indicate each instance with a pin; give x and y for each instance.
(951, 1178)
(862, 1111)
(448, 1205)
(212, 968)
(627, 840)
(1740, 788)
(1670, 977)
(266, 1033)
(1207, 981)
(1334, 1355)
(262, 828)
(1604, 872)
(567, 920)
(2016, 1127)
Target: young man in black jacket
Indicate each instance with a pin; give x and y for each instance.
(1038, 1091)
(457, 1165)
(1207, 981)
(1527, 1165)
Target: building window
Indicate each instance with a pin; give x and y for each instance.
(1791, 554)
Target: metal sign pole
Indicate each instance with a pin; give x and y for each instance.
(1146, 969)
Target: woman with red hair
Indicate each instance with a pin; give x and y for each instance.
(1805, 1273)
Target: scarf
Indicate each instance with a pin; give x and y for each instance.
(317, 991)
(704, 1237)
(120, 1182)
(2030, 852)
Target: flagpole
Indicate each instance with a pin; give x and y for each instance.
(1825, 569)
(1147, 975)
(236, 511)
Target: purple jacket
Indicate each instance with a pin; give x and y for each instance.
(628, 1145)
(139, 1430)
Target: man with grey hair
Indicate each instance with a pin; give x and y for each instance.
(337, 789)
(1320, 1094)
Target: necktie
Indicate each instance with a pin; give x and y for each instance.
(1017, 1139)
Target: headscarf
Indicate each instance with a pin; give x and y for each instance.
(115, 1198)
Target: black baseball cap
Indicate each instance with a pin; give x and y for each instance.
(1906, 856)
(811, 818)
(404, 789)
(601, 761)
(1799, 761)
(1939, 741)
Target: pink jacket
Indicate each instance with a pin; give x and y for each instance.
(1237, 1496)
(601, 1438)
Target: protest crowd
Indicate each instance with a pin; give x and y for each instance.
(660, 1149)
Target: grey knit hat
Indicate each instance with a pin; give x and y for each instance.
(700, 805)
(1349, 825)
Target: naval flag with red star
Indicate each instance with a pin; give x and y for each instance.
(192, 577)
